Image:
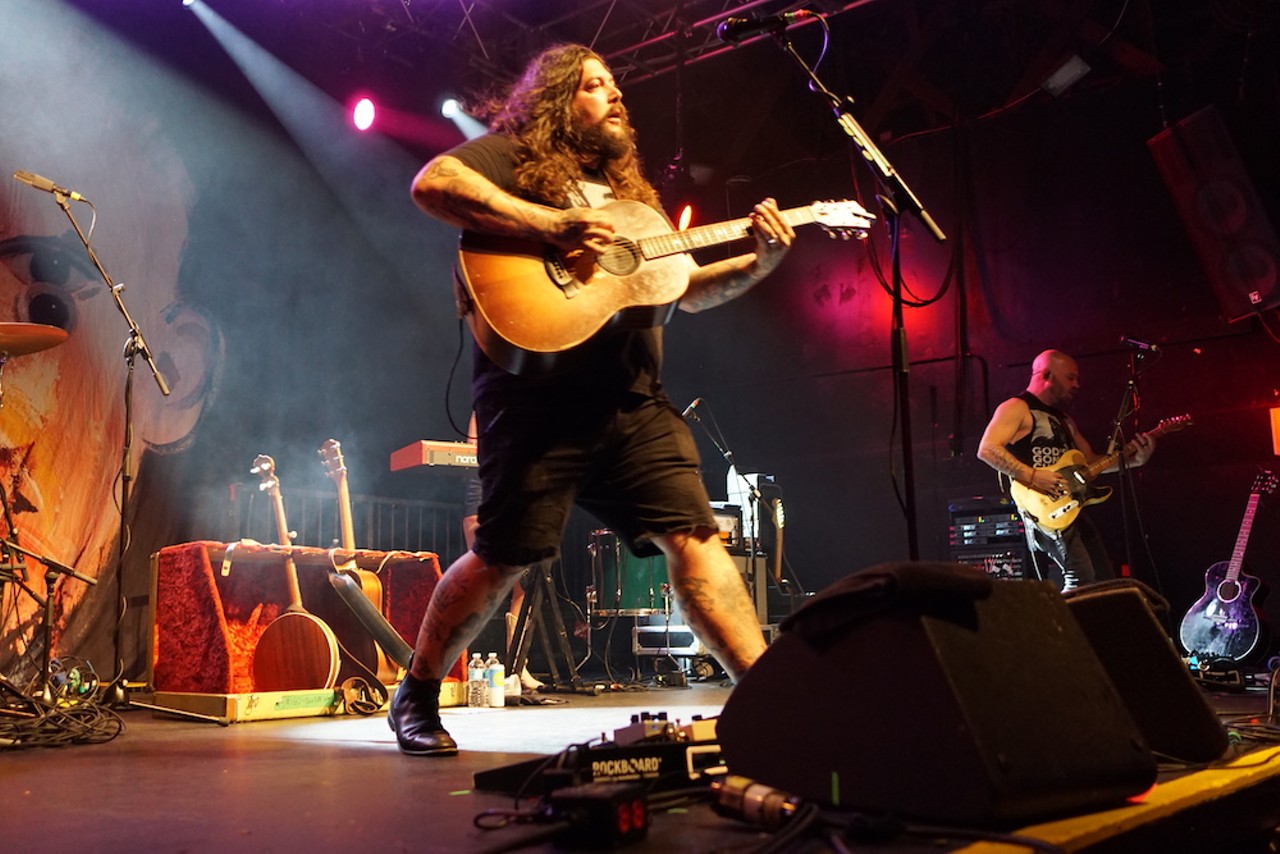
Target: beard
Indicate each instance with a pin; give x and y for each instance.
(604, 141)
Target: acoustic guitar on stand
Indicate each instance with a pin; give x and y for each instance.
(529, 304)
(361, 644)
(298, 651)
(1052, 514)
(1223, 623)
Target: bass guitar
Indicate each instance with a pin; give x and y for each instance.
(298, 651)
(360, 643)
(1223, 623)
(1052, 514)
(529, 304)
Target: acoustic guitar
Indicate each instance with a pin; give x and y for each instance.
(298, 651)
(1052, 514)
(529, 304)
(360, 644)
(1223, 623)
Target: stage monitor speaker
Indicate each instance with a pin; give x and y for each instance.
(1222, 212)
(985, 708)
(1120, 619)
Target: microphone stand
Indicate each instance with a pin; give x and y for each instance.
(1130, 403)
(897, 196)
(136, 345)
(757, 501)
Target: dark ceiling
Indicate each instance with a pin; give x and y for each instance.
(910, 66)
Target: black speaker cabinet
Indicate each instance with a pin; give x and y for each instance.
(1120, 620)
(984, 711)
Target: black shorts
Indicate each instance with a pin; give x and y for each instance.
(633, 466)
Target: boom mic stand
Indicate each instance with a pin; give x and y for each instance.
(1130, 403)
(757, 502)
(899, 195)
(54, 572)
(114, 692)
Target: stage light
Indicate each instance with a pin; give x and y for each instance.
(686, 217)
(188, 2)
(470, 126)
(1275, 429)
(363, 114)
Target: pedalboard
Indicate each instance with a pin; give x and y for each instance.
(651, 749)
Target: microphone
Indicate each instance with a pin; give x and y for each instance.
(688, 410)
(1139, 345)
(735, 30)
(42, 183)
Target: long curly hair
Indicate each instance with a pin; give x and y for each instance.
(537, 112)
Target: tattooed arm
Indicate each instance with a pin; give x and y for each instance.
(1012, 421)
(451, 191)
(717, 283)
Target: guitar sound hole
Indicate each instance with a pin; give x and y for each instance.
(1228, 591)
(621, 259)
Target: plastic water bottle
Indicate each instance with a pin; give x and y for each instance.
(477, 693)
(495, 679)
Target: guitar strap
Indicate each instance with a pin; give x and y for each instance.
(362, 696)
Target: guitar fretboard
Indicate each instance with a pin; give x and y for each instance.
(1237, 554)
(703, 236)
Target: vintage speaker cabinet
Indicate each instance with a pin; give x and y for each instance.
(211, 601)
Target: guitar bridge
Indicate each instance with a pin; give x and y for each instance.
(560, 274)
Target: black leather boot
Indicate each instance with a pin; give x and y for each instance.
(415, 719)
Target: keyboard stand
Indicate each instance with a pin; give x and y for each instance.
(539, 586)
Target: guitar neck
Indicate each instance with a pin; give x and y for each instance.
(1242, 539)
(704, 236)
(282, 534)
(344, 514)
(1103, 463)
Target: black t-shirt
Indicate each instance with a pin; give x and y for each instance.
(610, 364)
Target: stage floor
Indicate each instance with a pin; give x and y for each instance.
(331, 783)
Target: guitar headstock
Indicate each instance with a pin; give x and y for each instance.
(843, 218)
(1264, 483)
(1174, 424)
(265, 468)
(331, 455)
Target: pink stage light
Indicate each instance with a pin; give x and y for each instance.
(363, 114)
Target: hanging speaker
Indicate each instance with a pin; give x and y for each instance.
(1221, 211)
(930, 691)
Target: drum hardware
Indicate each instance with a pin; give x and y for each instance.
(19, 339)
(622, 584)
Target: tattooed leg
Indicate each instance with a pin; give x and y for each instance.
(713, 598)
(467, 595)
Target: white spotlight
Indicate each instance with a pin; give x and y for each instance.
(450, 108)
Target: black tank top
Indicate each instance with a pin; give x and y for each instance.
(1049, 438)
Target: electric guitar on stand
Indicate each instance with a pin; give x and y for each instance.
(361, 644)
(1223, 623)
(1052, 514)
(298, 651)
(528, 303)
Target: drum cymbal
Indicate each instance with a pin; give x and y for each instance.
(19, 339)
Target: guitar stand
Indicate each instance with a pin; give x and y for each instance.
(531, 622)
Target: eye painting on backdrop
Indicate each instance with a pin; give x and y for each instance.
(63, 419)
